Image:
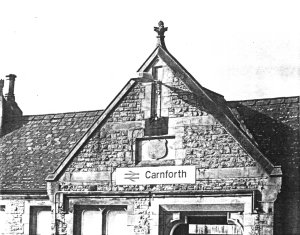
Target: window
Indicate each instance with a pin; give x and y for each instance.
(91, 222)
(211, 225)
(158, 73)
(116, 217)
(100, 220)
(2, 219)
(40, 220)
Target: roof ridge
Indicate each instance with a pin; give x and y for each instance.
(273, 98)
(31, 115)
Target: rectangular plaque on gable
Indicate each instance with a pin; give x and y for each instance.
(156, 126)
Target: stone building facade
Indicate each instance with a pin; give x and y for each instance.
(167, 156)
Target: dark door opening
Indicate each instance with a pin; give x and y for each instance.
(213, 225)
(181, 229)
(190, 219)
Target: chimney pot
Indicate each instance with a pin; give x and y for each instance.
(10, 96)
(1, 86)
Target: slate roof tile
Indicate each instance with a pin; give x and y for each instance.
(274, 124)
(39, 140)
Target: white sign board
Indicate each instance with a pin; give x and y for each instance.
(156, 175)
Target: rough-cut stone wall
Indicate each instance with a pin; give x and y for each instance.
(183, 103)
(142, 216)
(203, 185)
(14, 210)
(17, 214)
(200, 140)
(210, 146)
(105, 149)
(112, 145)
(130, 107)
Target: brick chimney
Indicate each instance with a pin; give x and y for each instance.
(10, 113)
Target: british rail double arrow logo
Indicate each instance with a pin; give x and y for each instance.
(132, 176)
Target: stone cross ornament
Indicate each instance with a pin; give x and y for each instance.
(161, 29)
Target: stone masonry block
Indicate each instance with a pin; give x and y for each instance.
(164, 112)
(133, 219)
(249, 219)
(180, 154)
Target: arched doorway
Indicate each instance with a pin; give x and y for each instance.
(180, 229)
(221, 219)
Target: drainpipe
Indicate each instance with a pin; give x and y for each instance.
(55, 227)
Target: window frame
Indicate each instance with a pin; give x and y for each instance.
(34, 210)
(79, 209)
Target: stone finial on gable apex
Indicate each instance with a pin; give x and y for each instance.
(161, 29)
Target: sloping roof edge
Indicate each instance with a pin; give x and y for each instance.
(262, 101)
(220, 111)
(149, 59)
(98, 122)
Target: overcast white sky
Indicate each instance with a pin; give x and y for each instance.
(77, 55)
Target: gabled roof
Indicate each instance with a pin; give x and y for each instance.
(39, 140)
(214, 103)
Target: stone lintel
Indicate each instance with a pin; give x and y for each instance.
(204, 207)
(229, 173)
(200, 120)
(132, 125)
(86, 176)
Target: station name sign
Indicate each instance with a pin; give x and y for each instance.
(156, 175)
